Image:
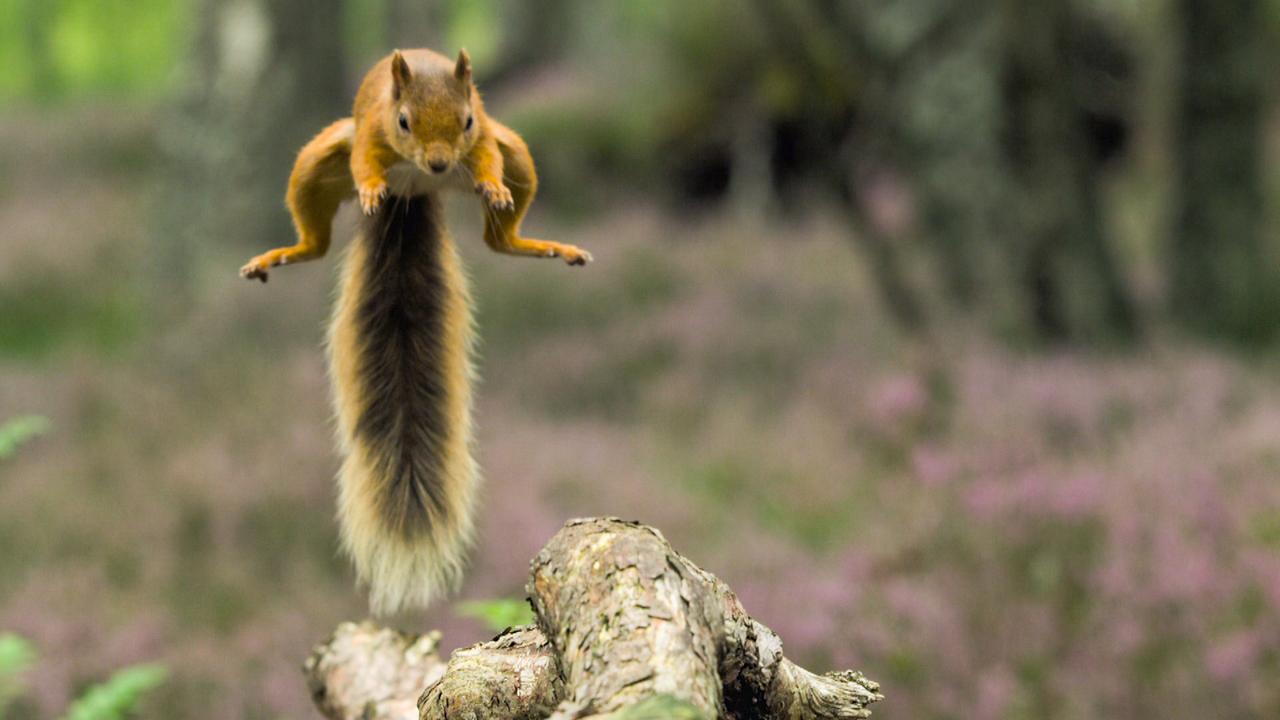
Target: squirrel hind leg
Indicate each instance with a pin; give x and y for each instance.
(502, 224)
(319, 183)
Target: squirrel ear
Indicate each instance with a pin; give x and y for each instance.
(400, 73)
(462, 70)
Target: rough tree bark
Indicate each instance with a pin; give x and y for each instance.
(625, 628)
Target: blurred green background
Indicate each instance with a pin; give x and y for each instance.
(942, 330)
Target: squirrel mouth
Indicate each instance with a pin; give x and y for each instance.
(434, 166)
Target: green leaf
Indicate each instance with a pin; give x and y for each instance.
(15, 432)
(119, 696)
(16, 657)
(497, 615)
(16, 654)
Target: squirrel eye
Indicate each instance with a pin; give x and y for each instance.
(470, 121)
(404, 122)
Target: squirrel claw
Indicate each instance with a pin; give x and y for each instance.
(371, 197)
(496, 195)
(575, 255)
(253, 270)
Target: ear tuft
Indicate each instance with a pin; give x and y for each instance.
(462, 70)
(401, 76)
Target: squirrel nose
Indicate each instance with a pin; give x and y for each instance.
(438, 166)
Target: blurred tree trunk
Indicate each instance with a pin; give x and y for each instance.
(998, 114)
(188, 138)
(1069, 273)
(839, 124)
(1220, 278)
(946, 81)
(990, 106)
(260, 78)
(302, 88)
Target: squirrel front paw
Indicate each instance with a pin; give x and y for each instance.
(371, 196)
(573, 254)
(496, 195)
(255, 269)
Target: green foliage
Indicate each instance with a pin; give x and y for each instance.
(13, 434)
(76, 47)
(660, 707)
(16, 656)
(497, 615)
(116, 698)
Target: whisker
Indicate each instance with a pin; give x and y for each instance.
(489, 212)
(510, 182)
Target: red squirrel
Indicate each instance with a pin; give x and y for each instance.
(401, 335)
(418, 125)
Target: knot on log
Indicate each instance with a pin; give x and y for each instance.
(626, 629)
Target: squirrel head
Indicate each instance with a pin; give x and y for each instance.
(432, 117)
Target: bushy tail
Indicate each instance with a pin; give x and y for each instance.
(400, 359)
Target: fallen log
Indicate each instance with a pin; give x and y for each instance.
(626, 628)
